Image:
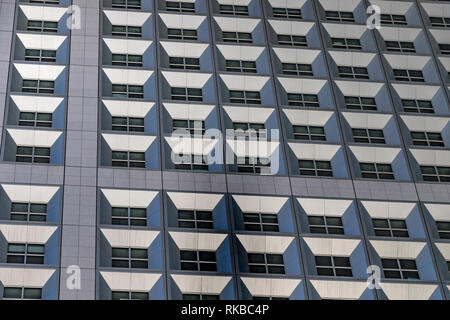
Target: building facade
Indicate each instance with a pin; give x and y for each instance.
(335, 141)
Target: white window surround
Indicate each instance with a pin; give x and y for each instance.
(127, 18)
(265, 244)
(193, 284)
(311, 151)
(197, 241)
(282, 288)
(34, 138)
(325, 207)
(129, 198)
(389, 210)
(133, 109)
(127, 46)
(127, 238)
(129, 281)
(36, 103)
(195, 201)
(332, 247)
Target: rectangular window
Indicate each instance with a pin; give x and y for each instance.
(342, 16)
(253, 165)
(408, 75)
(400, 46)
(180, 6)
(42, 26)
(239, 37)
(195, 219)
(128, 295)
(333, 266)
(288, 13)
(344, 43)
(191, 296)
(429, 139)
(353, 72)
(249, 129)
(40, 55)
(260, 222)
(241, 66)
(245, 97)
(234, 10)
(400, 269)
(293, 41)
(35, 119)
(303, 100)
(128, 124)
(130, 258)
(128, 159)
(182, 34)
(184, 63)
(198, 260)
(186, 94)
(38, 86)
(442, 22)
(25, 253)
(376, 171)
(361, 103)
(417, 106)
(126, 4)
(395, 19)
(312, 133)
(266, 263)
(390, 228)
(192, 162)
(15, 293)
(435, 173)
(325, 225)
(194, 127)
(297, 69)
(129, 216)
(33, 212)
(130, 60)
(368, 135)
(443, 229)
(127, 31)
(33, 154)
(315, 168)
(127, 91)
(445, 48)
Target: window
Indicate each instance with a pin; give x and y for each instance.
(191, 296)
(127, 31)
(260, 222)
(127, 91)
(400, 269)
(400, 46)
(25, 253)
(128, 295)
(249, 129)
(129, 258)
(130, 60)
(294, 41)
(192, 162)
(311, 133)
(342, 16)
(180, 6)
(14, 293)
(395, 19)
(288, 13)
(182, 34)
(376, 171)
(195, 219)
(430, 139)
(198, 260)
(38, 86)
(184, 63)
(325, 225)
(35, 212)
(417, 106)
(298, 69)
(128, 124)
(186, 94)
(315, 168)
(245, 97)
(435, 173)
(42, 26)
(266, 263)
(194, 127)
(408, 75)
(361, 103)
(129, 216)
(353, 72)
(253, 165)
(443, 229)
(440, 22)
(128, 159)
(234, 10)
(126, 4)
(33, 154)
(390, 228)
(303, 100)
(344, 43)
(333, 266)
(40, 55)
(239, 37)
(445, 48)
(368, 136)
(241, 66)
(35, 119)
